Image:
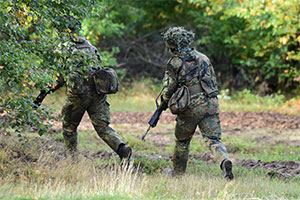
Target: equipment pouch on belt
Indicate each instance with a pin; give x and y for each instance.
(180, 100)
(106, 81)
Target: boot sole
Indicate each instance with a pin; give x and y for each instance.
(228, 170)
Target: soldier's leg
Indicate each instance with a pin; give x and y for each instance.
(100, 115)
(211, 130)
(72, 113)
(185, 128)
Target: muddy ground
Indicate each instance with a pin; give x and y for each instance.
(229, 120)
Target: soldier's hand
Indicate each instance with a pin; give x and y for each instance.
(36, 104)
(163, 104)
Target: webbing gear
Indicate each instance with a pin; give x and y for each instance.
(180, 100)
(105, 79)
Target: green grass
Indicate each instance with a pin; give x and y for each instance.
(140, 96)
(264, 144)
(245, 100)
(40, 176)
(46, 178)
(202, 183)
(259, 144)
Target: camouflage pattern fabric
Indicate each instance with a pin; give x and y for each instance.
(99, 113)
(82, 96)
(198, 75)
(210, 128)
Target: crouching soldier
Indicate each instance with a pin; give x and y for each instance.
(190, 90)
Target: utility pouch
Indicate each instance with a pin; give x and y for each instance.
(209, 85)
(208, 79)
(180, 100)
(106, 81)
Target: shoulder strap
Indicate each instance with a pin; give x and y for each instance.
(179, 70)
(182, 64)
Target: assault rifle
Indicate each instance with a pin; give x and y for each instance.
(155, 117)
(39, 99)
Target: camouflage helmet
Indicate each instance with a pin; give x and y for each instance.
(66, 23)
(178, 38)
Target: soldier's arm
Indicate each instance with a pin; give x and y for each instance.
(51, 88)
(59, 83)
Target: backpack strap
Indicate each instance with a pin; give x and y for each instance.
(179, 70)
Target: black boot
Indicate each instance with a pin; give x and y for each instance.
(226, 167)
(124, 151)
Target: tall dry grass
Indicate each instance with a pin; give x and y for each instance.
(34, 171)
(83, 179)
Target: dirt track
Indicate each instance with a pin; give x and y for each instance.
(280, 169)
(228, 119)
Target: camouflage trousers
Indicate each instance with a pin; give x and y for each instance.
(210, 128)
(99, 113)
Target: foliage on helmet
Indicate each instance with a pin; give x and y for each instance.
(178, 38)
(67, 23)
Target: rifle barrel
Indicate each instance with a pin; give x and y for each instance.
(143, 137)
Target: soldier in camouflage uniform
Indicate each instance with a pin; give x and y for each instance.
(189, 67)
(82, 96)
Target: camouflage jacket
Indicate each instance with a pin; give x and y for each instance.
(196, 72)
(85, 61)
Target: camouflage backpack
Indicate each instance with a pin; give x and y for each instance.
(106, 81)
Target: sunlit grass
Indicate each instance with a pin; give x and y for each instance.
(82, 180)
(140, 96)
(101, 178)
(245, 100)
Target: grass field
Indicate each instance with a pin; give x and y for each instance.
(140, 96)
(31, 169)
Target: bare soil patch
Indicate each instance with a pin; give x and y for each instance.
(44, 146)
(229, 120)
(280, 169)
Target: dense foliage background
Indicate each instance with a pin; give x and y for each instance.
(253, 44)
